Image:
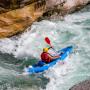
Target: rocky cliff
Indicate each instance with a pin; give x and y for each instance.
(8, 5)
(17, 20)
(57, 8)
(17, 15)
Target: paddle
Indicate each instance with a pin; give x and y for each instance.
(49, 43)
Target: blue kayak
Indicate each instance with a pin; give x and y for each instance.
(41, 66)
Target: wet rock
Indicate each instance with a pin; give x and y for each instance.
(14, 20)
(85, 85)
(7, 5)
(18, 20)
(59, 8)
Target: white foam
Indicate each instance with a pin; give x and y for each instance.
(61, 34)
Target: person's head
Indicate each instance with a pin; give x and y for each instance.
(45, 49)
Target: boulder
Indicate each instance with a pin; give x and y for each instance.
(85, 85)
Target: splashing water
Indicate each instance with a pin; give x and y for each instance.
(74, 30)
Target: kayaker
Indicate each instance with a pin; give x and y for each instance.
(47, 57)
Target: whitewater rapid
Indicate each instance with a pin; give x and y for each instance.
(74, 30)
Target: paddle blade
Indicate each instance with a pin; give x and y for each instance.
(47, 40)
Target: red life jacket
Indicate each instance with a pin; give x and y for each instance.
(45, 57)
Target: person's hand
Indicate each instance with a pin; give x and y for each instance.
(50, 47)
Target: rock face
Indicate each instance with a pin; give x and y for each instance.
(7, 5)
(19, 14)
(85, 85)
(62, 7)
(17, 20)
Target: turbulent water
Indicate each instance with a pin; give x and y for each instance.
(16, 52)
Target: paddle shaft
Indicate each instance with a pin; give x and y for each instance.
(49, 43)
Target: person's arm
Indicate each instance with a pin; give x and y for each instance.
(56, 53)
(53, 57)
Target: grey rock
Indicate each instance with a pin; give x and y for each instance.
(85, 85)
(52, 3)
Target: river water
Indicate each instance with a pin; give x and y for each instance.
(16, 52)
